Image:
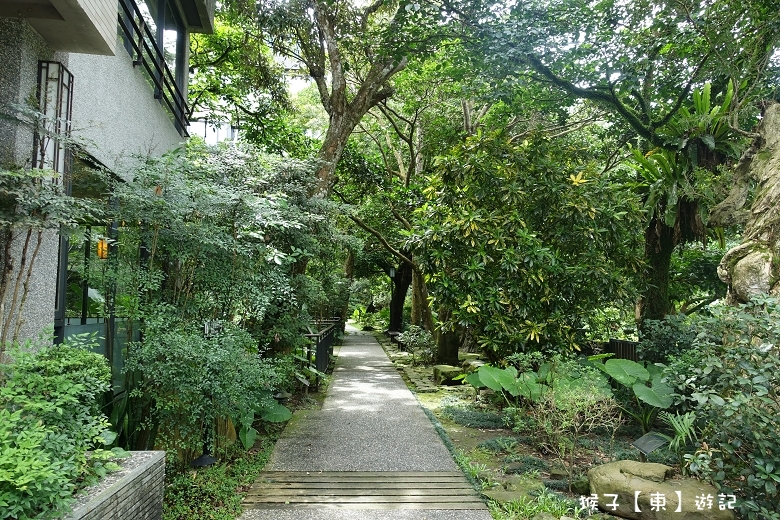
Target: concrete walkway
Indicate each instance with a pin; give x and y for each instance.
(369, 422)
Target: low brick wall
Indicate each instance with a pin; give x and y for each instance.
(135, 492)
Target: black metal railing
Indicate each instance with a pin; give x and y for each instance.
(143, 46)
(319, 348)
(623, 349)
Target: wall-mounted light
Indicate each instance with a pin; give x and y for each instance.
(102, 248)
(392, 272)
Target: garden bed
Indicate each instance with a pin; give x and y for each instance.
(135, 491)
(517, 478)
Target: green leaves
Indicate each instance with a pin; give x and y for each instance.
(276, 413)
(625, 371)
(646, 382)
(193, 380)
(658, 395)
(497, 379)
(50, 419)
(520, 276)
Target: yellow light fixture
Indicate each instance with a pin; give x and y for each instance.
(102, 248)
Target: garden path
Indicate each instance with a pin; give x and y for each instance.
(370, 453)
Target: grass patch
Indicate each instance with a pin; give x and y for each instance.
(528, 463)
(545, 502)
(499, 445)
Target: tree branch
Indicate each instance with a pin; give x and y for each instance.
(382, 240)
(598, 95)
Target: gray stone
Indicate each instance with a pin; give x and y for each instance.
(445, 374)
(558, 474)
(514, 467)
(472, 365)
(625, 478)
(466, 356)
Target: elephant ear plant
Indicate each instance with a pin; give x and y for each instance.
(651, 393)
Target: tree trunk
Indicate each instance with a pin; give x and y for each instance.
(753, 267)
(340, 128)
(421, 307)
(659, 246)
(447, 343)
(401, 283)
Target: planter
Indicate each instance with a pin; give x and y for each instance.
(135, 491)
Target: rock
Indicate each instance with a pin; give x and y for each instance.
(466, 356)
(445, 374)
(559, 474)
(521, 483)
(626, 477)
(472, 365)
(567, 518)
(514, 468)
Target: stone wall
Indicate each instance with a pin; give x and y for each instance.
(135, 492)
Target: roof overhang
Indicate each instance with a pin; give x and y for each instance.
(84, 26)
(198, 15)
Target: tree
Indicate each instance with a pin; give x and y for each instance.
(522, 236)
(752, 268)
(352, 52)
(402, 136)
(235, 79)
(640, 61)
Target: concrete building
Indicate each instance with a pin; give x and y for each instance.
(111, 76)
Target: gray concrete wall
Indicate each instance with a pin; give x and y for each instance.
(115, 112)
(20, 49)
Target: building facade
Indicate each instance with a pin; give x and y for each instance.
(106, 78)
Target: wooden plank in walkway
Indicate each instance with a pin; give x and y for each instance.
(362, 490)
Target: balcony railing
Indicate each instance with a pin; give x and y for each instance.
(146, 52)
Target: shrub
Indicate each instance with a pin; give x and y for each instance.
(733, 389)
(50, 419)
(662, 339)
(474, 418)
(420, 341)
(193, 380)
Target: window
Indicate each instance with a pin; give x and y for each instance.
(55, 99)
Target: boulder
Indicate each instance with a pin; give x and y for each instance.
(472, 365)
(466, 356)
(445, 374)
(652, 482)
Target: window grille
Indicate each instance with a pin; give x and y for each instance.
(55, 102)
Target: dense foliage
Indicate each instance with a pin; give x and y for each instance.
(52, 429)
(193, 380)
(729, 380)
(521, 245)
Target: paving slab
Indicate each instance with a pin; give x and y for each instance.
(369, 422)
